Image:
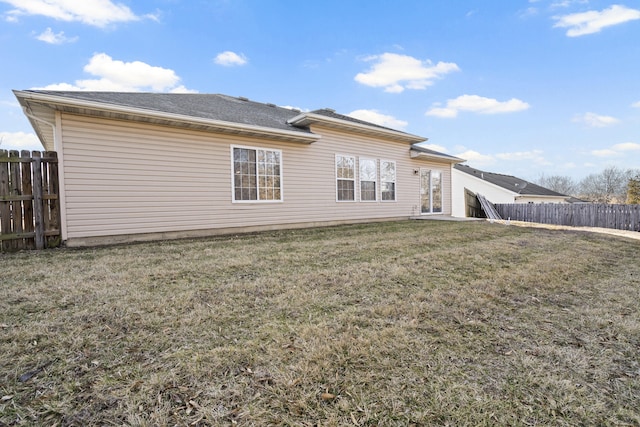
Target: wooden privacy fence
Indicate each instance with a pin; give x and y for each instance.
(29, 207)
(621, 217)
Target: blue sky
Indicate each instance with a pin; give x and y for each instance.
(520, 87)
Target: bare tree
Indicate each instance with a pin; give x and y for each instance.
(633, 190)
(608, 186)
(558, 183)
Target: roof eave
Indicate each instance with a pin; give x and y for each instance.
(35, 124)
(219, 125)
(433, 156)
(306, 119)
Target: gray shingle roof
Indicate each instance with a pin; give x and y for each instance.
(327, 112)
(509, 182)
(206, 106)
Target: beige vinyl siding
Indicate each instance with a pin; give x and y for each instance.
(124, 178)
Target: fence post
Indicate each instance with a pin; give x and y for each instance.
(27, 189)
(15, 190)
(54, 201)
(37, 200)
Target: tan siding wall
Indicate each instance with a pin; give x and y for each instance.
(130, 178)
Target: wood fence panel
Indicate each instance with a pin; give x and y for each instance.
(15, 183)
(5, 204)
(51, 199)
(29, 207)
(621, 217)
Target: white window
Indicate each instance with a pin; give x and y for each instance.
(257, 174)
(345, 178)
(388, 180)
(368, 180)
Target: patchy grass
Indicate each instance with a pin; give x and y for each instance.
(406, 323)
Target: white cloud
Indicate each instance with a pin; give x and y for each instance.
(528, 12)
(580, 24)
(19, 141)
(636, 104)
(617, 150)
(374, 116)
(476, 104)
(627, 146)
(535, 156)
(48, 36)
(9, 103)
(230, 59)
(291, 107)
(395, 72)
(114, 75)
(484, 160)
(98, 13)
(595, 121)
(435, 147)
(567, 3)
(476, 158)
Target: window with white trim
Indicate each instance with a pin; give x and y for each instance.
(368, 180)
(257, 174)
(387, 180)
(345, 178)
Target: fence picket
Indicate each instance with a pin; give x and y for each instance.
(15, 184)
(5, 207)
(27, 207)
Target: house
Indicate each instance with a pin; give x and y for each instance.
(497, 188)
(146, 166)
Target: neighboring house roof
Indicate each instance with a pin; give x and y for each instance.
(511, 183)
(198, 111)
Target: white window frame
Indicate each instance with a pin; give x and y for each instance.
(354, 179)
(258, 176)
(375, 180)
(395, 181)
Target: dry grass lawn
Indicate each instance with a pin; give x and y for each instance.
(407, 323)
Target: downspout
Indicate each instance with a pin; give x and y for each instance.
(57, 146)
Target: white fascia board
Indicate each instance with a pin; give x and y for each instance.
(141, 112)
(450, 159)
(305, 119)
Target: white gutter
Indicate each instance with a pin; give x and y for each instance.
(30, 116)
(236, 127)
(451, 159)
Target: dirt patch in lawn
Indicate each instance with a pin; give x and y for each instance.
(610, 231)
